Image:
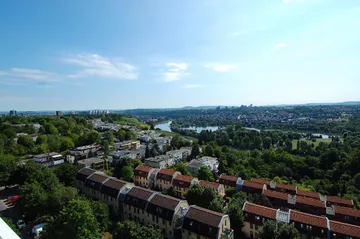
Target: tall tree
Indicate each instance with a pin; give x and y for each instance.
(75, 221)
(206, 197)
(7, 168)
(127, 173)
(131, 230)
(288, 231)
(66, 173)
(147, 152)
(205, 173)
(195, 150)
(269, 230)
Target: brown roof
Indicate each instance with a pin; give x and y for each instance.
(165, 201)
(339, 200)
(115, 183)
(98, 177)
(285, 186)
(274, 194)
(308, 194)
(345, 229)
(260, 181)
(86, 171)
(252, 184)
(143, 168)
(309, 219)
(260, 210)
(184, 178)
(141, 193)
(204, 216)
(310, 201)
(206, 183)
(347, 211)
(167, 172)
(229, 178)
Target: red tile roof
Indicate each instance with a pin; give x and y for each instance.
(274, 194)
(260, 181)
(167, 172)
(345, 229)
(260, 210)
(206, 183)
(143, 168)
(229, 178)
(308, 194)
(252, 184)
(347, 211)
(310, 201)
(184, 178)
(204, 216)
(309, 219)
(339, 200)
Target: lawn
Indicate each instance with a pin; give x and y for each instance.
(316, 143)
(132, 122)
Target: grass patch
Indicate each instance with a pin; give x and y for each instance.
(172, 134)
(316, 143)
(132, 122)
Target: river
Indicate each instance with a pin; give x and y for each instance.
(166, 127)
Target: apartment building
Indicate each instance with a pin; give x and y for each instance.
(303, 193)
(181, 185)
(94, 163)
(308, 225)
(202, 223)
(93, 184)
(142, 176)
(164, 179)
(250, 187)
(229, 182)
(344, 214)
(154, 209)
(217, 186)
(81, 177)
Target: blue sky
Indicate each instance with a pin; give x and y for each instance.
(160, 53)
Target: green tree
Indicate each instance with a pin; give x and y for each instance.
(106, 147)
(127, 173)
(269, 230)
(26, 141)
(357, 181)
(109, 136)
(75, 221)
(234, 210)
(66, 143)
(209, 151)
(206, 197)
(66, 173)
(181, 167)
(288, 231)
(195, 150)
(131, 230)
(93, 137)
(102, 212)
(147, 152)
(34, 199)
(7, 169)
(205, 174)
(58, 197)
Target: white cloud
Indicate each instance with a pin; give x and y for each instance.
(281, 45)
(287, 1)
(175, 70)
(33, 74)
(221, 67)
(190, 86)
(96, 65)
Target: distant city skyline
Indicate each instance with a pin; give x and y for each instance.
(112, 55)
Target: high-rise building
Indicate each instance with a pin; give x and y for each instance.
(12, 112)
(59, 113)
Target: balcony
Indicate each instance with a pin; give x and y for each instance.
(227, 234)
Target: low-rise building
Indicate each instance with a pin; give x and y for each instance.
(340, 230)
(250, 187)
(161, 161)
(303, 193)
(164, 179)
(127, 145)
(49, 159)
(176, 154)
(94, 163)
(181, 185)
(217, 186)
(82, 152)
(210, 162)
(202, 223)
(344, 214)
(81, 177)
(186, 152)
(308, 225)
(338, 201)
(271, 185)
(142, 176)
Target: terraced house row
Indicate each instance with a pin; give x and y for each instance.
(173, 216)
(309, 226)
(164, 179)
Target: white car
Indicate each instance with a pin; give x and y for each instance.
(21, 224)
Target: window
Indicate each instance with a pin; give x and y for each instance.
(346, 217)
(322, 231)
(301, 225)
(257, 218)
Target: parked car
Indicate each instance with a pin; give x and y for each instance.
(37, 229)
(21, 224)
(12, 199)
